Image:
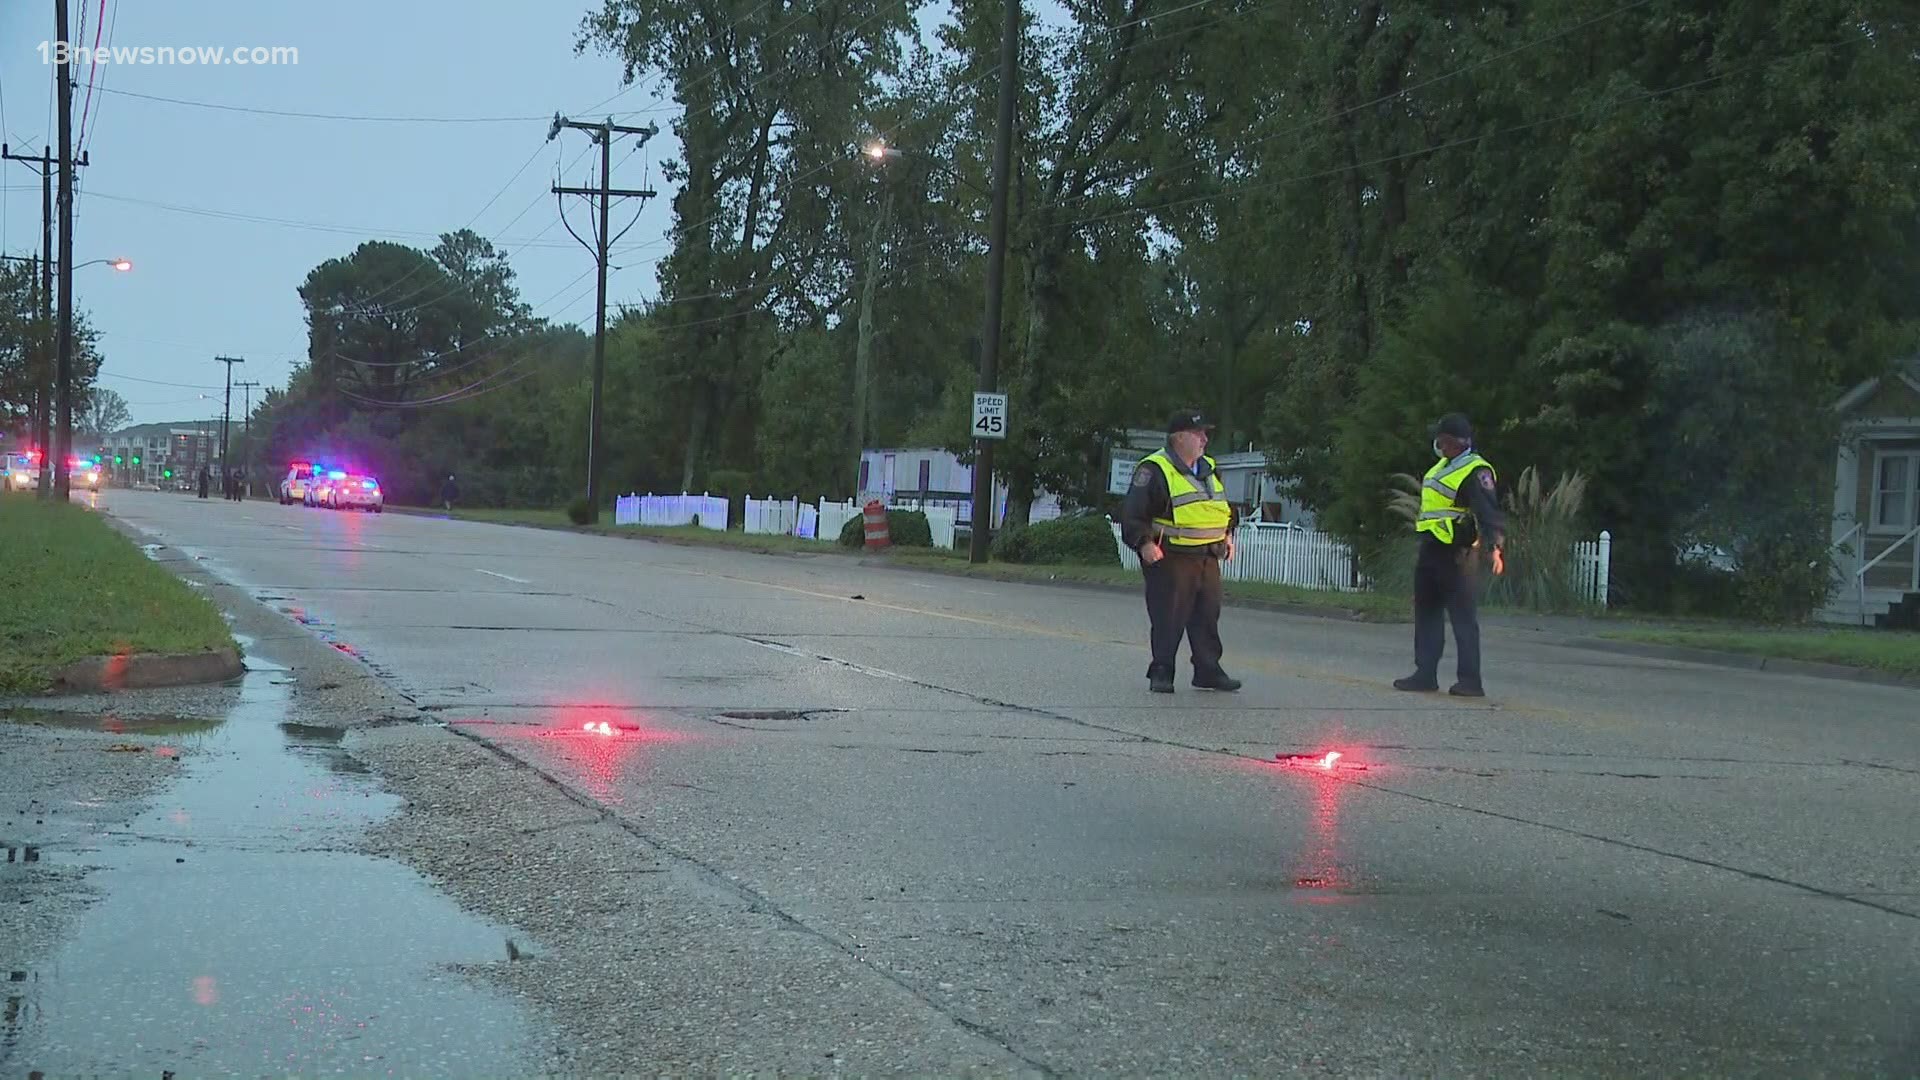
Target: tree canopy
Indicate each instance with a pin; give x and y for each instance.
(1645, 241)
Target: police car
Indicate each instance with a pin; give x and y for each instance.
(293, 488)
(358, 491)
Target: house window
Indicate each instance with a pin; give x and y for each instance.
(1896, 491)
(926, 474)
(865, 466)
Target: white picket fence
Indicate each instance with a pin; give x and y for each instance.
(823, 521)
(681, 509)
(1281, 555)
(1593, 566)
(1285, 555)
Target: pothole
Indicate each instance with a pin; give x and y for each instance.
(109, 723)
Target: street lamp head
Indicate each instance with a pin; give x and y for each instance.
(122, 265)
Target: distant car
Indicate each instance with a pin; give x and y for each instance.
(358, 492)
(21, 472)
(320, 488)
(83, 473)
(293, 487)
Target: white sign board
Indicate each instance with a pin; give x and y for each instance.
(1120, 471)
(989, 416)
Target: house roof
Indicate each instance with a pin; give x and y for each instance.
(1908, 371)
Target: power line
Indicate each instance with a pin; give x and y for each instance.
(296, 114)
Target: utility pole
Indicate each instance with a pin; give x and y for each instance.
(603, 134)
(996, 270)
(43, 390)
(246, 429)
(863, 346)
(226, 415)
(65, 94)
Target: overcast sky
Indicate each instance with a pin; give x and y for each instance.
(224, 212)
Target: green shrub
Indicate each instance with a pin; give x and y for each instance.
(907, 528)
(1011, 543)
(580, 511)
(1080, 540)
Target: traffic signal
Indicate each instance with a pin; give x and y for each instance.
(136, 461)
(168, 473)
(116, 459)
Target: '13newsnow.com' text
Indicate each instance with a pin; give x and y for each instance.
(62, 52)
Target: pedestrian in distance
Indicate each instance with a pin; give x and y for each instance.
(1177, 517)
(449, 491)
(1458, 512)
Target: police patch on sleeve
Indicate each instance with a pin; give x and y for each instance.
(1143, 476)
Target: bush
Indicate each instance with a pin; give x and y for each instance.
(907, 528)
(1080, 540)
(580, 511)
(1542, 529)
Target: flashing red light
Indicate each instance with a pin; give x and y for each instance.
(1326, 762)
(601, 728)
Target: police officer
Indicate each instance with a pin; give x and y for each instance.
(1457, 507)
(1176, 515)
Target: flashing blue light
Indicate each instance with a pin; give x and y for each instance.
(368, 484)
(336, 475)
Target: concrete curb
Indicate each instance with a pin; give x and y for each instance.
(148, 671)
(1746, 661)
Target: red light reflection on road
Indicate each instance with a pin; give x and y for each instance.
(205, 990)
(1319, 872)
(600, 749)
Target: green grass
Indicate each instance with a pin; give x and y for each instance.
(1891, 651)
(71, 587)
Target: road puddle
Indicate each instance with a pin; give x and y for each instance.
(237, 933)
(110, 723)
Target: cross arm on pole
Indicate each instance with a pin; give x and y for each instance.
(558, 190)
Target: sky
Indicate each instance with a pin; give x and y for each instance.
(223, 212)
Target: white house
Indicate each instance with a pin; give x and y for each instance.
(1876, 502)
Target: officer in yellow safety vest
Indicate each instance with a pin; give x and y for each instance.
(1457, 510)
(1176, 515)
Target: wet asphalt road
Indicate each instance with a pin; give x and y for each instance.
(964, 789)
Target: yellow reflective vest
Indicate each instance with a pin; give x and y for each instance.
(1200, 517)
(1440, 494)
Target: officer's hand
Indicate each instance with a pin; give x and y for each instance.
(1150, 553)
(1229, 557)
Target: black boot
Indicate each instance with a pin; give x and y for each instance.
(1219, 680)
(1415, 682)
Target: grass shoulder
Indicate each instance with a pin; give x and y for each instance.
(75, 588)
(1893, 652)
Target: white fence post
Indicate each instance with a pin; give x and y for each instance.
(1605, 567)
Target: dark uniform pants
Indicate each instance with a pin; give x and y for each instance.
(1443, 588)
(1183, 597)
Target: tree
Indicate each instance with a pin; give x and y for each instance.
(106, 413)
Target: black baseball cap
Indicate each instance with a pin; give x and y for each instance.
(1454, 424)
(1188, 420)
